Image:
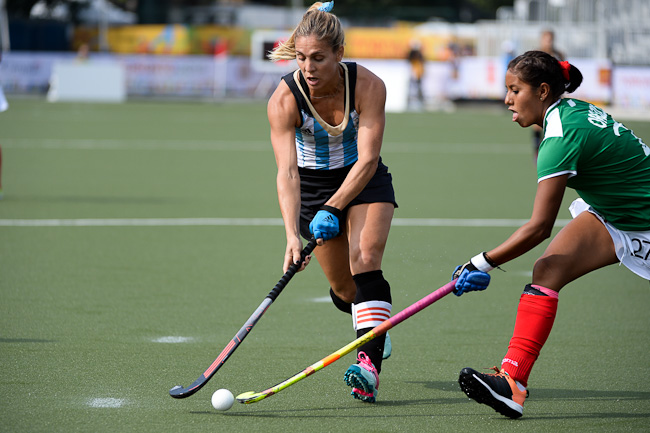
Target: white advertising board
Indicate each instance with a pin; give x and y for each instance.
(87, 81)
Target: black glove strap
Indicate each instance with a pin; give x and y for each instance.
(334, 211)
(469, 266)
(489, 260)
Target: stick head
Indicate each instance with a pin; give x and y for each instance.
(177, 391)
(251, 397)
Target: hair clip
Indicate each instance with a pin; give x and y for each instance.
(326, 7)
(565, 70)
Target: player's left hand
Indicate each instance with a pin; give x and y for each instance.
(473, 275)
(325, 224)
(469, 279)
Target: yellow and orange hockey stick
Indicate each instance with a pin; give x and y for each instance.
(253, 397)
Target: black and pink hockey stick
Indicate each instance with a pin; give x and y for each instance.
(181, 392)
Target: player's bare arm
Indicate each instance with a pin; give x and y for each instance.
(283, 118)
(548, 200)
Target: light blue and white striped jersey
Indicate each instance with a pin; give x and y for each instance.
(321, 146)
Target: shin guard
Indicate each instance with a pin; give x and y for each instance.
(372, 306)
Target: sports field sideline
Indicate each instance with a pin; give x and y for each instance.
(136, 239)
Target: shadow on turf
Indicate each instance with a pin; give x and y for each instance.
(548, 393)
(589, 415)
(553, 394)
(561, 395)
(540, 394)
(336, 411)
(355, 412)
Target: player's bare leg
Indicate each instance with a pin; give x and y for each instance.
(368, 226)
(584, 245)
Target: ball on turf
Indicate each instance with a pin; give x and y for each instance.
(222, 399)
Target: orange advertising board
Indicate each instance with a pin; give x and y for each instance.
(391, 43)
(168, 39)
(361, 42)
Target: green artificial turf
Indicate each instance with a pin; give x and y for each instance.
(100, 315)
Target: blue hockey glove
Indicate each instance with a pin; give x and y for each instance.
(473, 275)
(325, 224)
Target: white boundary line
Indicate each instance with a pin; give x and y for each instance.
(243, 146)
(163, 222)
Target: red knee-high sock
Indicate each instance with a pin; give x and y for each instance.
(535, 317)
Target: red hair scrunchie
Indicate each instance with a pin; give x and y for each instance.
(565, 70)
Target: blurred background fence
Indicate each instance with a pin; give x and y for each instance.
(214, 50)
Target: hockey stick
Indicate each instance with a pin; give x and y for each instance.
(180, 392)
(252, 397)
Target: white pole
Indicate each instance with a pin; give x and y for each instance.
(220, 75)
(220, 64)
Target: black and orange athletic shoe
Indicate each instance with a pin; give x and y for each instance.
(497, 390)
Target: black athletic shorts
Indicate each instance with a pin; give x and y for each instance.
(317, 186)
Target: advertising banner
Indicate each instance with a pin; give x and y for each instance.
(168, 39)
(631, 87)
(223, 75)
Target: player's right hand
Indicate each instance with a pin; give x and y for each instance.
(293, 256)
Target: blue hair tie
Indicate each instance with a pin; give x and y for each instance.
(326, 7)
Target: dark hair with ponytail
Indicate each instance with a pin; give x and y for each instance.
(537, 67)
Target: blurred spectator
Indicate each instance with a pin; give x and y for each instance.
(546, 44)
(83, 52)
(452, 55)
(416, 60)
